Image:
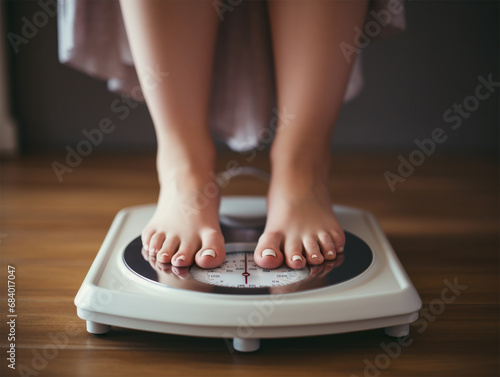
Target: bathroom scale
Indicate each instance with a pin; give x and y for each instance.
(365, 287)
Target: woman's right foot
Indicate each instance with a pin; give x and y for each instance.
(185, 226)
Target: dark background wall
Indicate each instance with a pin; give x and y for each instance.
(410, 81)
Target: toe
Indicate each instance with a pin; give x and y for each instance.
(145, 254)
(338, 237)
(212, 252)
(156, 243)
(184, 257)
(168, 249)
(327, 245)
(294, 257)
(146, 237)
(267, 253)
(312, 251)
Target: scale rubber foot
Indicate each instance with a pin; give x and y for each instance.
(398, 331)
(246, 344)
(97, 328)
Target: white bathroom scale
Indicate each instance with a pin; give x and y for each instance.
(365, 287)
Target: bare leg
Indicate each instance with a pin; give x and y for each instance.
(178, 37)
(312, 75)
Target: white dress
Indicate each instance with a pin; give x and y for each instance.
(92, 39)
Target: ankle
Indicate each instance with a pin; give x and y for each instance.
(306, 165)
(186, 164)
(297, 184)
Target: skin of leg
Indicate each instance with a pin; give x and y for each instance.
(311, 77)
(172, 44)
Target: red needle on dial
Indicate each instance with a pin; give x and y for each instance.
(246, 274)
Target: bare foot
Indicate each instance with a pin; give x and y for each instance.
(185, 226)
(301, 227)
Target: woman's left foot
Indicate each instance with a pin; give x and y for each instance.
(301, 227)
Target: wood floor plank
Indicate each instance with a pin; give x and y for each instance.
(437, 323)
(443, 223)
(431, 351)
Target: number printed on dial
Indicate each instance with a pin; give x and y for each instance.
(240, 271)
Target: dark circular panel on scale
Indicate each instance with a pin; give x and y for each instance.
(355, 259)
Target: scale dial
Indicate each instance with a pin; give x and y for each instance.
(240, 271)
(239, 275)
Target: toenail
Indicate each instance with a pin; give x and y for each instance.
(269, 252)
(314, 256)
(164, 255)
(152, 251)
(208, 252)
(296, 257)
(330, 253)
(341, 249)
(181, 257)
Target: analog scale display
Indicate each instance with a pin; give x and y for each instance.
(240, 271)
(239, 274)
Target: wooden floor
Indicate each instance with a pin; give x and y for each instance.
(443, 222)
